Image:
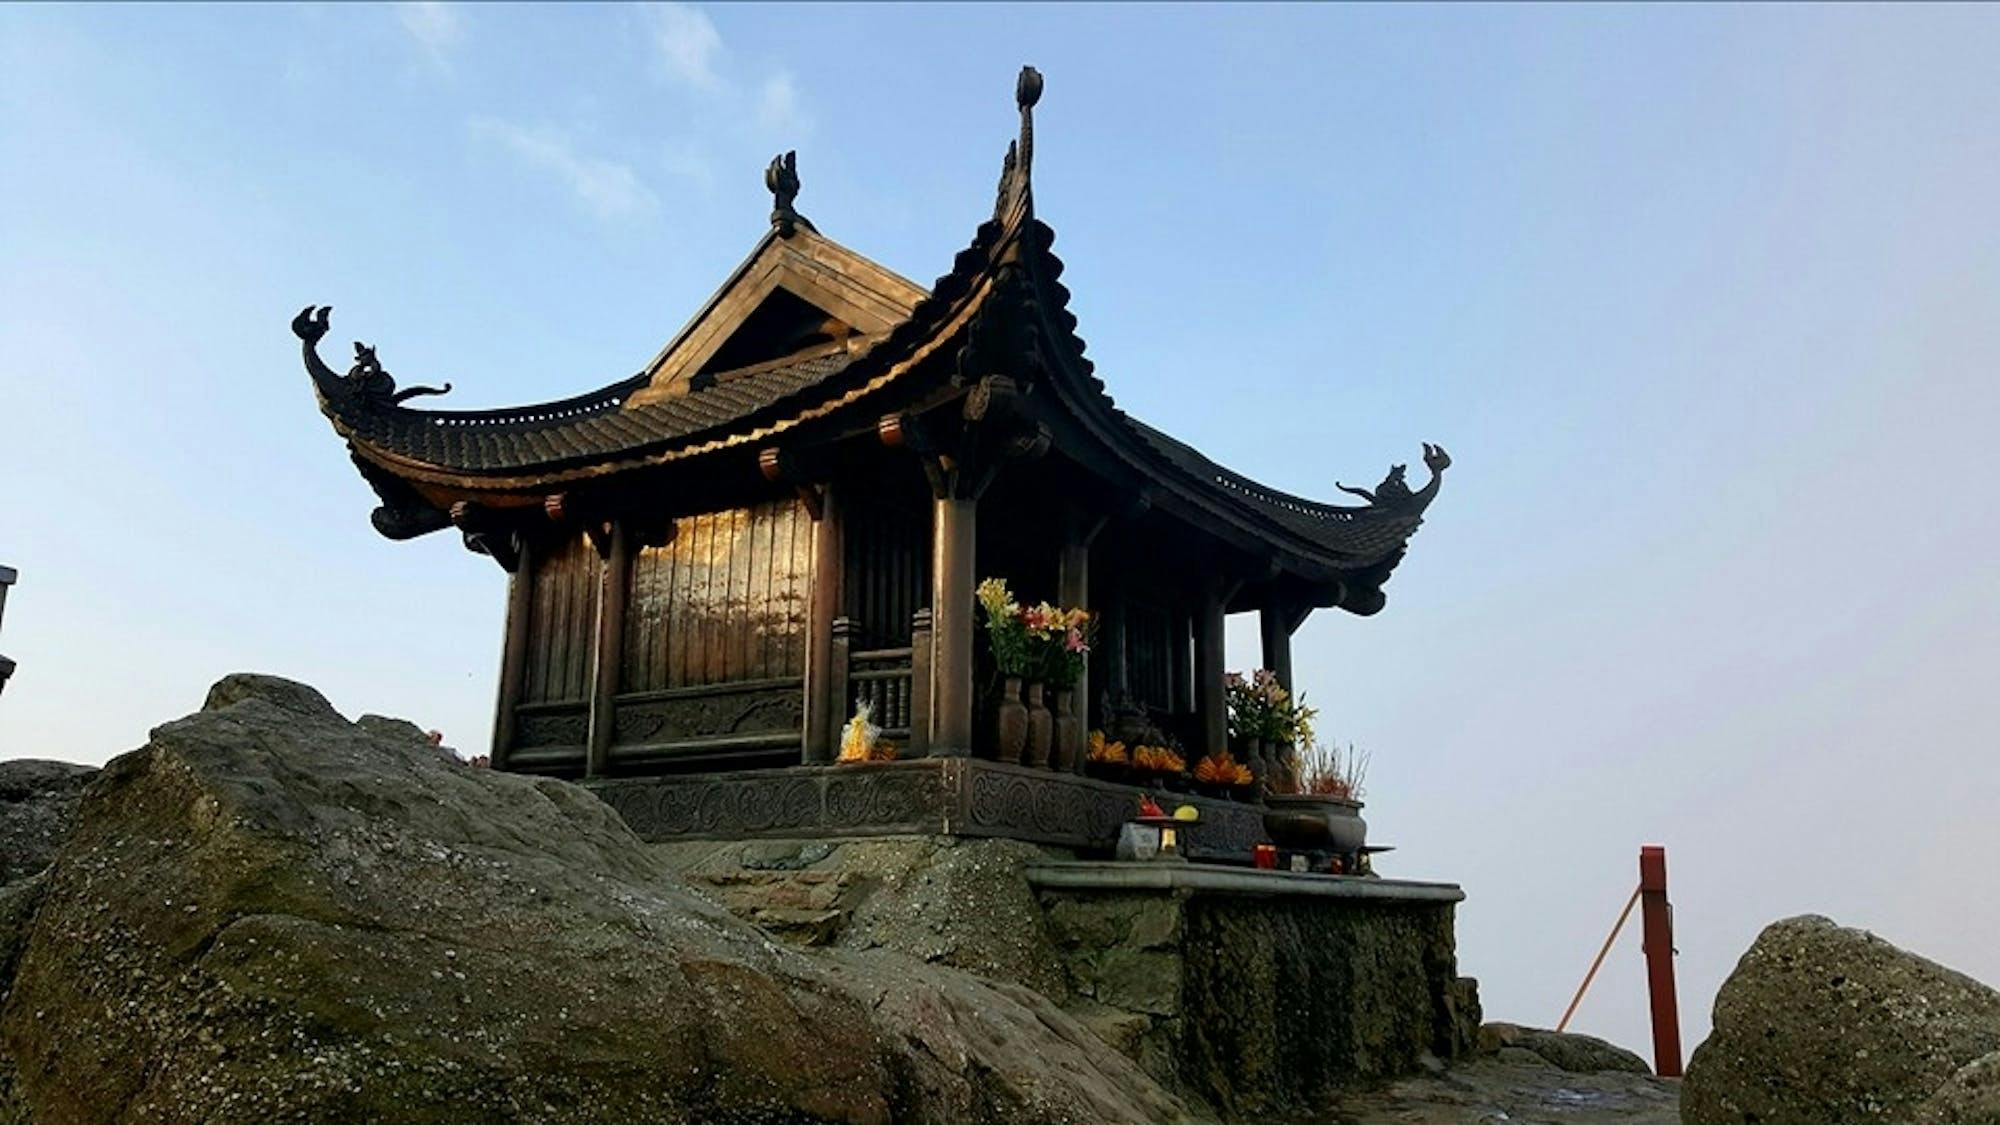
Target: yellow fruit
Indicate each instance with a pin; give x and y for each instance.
(1187, 812)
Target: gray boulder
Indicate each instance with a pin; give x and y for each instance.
(37, 806)
(270, 913)
(1564, 1050)
(1820, 1023)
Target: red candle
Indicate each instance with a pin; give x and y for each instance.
(1266, 856)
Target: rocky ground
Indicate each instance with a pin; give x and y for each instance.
(271, 913)
(1513, 1090)
(1523, 1074)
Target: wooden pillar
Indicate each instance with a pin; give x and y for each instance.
(920, 684)
(1116, 685)
(609, 652)
(954, 535)
(1180, 667)
(1211, 704)
(513, 652)
(823, 707)
(1073, 592)
(840, 663)
(1274, 624)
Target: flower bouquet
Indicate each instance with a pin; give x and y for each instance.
(1106, 759)
(861, 739)
(1221, 775)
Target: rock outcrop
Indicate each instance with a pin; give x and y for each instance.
(1820, 1023)
(272, 913)
(1564, 1050)
(957, 902)
(37, 806)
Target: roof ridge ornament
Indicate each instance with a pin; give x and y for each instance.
(1016, 172)
(782, 178)
(367, 381)
(1394, 493)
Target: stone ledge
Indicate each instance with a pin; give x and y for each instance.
(921, 797)
(1154, 876)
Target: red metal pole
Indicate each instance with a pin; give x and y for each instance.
(1658, 921)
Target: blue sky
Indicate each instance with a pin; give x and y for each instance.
(1702, 301)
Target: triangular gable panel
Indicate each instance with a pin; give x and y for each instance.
(791, 293)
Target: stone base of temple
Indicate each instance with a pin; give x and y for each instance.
(926, 796)
(1263, 995)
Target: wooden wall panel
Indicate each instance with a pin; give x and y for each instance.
(562, 621)
(724, 601)
(887, 574)
(1149, 653)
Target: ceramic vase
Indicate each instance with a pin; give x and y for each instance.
(1010, 722)
(1069, 731)
(1041, 728)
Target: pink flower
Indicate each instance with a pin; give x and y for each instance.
(1074, 640)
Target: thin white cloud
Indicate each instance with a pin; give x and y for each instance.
(436, 26)
(689, 160)
(606, 188)
(688, 43)
(778, 104)
(689, 50)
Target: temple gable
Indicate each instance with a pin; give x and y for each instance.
(794, 293)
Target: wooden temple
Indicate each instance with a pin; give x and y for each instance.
(786, 511)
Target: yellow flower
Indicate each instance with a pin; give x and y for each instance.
(996, 599)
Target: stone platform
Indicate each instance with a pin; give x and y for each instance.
(1267, 995)
(923, 797)
(1262, 993)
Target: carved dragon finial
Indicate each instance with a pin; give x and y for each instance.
(1394, 493)
(781, 176)
(1027, 91)
(1016, 171)
(367, 380)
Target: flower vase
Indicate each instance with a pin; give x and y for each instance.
(1041, 728)
(1069, 732)
(1284, 769)
(1010, 723)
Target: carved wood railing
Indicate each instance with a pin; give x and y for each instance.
(893, 682)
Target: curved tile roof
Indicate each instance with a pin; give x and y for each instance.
(586, 428)
(607, 430)
(1366, 533)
